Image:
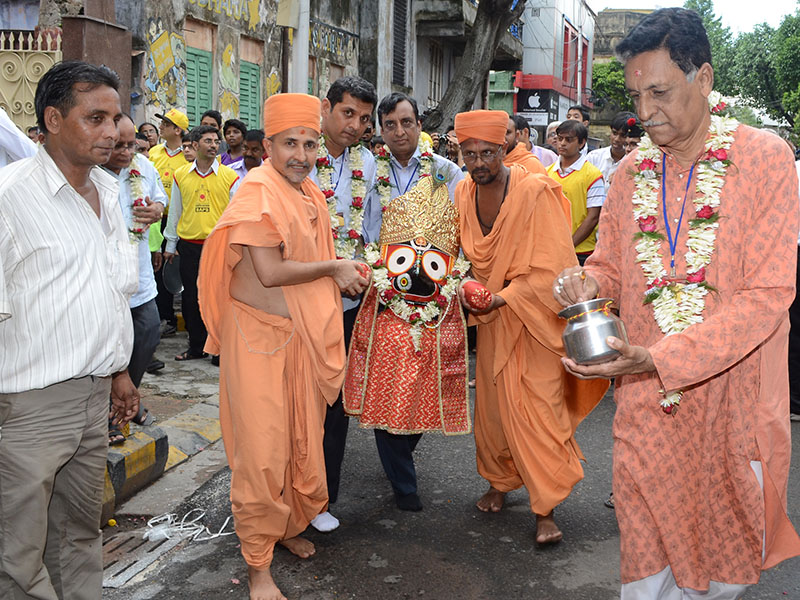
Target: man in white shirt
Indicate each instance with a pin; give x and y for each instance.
(408, 160)
(607, 159)
(345, 173)
(67, 269)
(14, 144)
(142, 199)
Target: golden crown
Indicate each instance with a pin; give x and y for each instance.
(424, 211)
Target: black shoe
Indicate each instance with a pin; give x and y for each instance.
(155, 365)
(408, 502)
(215, 360)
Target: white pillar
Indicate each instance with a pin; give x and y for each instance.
(298, 81)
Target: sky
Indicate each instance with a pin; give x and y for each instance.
(740, 15)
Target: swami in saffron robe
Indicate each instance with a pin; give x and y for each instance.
(686, 495)
(276, 374)
(527, 407)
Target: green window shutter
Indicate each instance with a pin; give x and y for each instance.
(198, 84)
(250, 94)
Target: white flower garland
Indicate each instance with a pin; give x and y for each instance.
(136, 230)
(345, 238)
(679, 304)
(384, 159)
(418, 316)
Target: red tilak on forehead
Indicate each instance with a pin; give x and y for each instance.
(637, 72)
(302, 132)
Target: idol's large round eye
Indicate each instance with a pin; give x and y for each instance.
(435, 265)
(401, 259)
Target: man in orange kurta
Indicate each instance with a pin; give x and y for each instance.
(270, 295)
(527, 408)
(699, 488)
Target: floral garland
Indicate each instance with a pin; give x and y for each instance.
(345, 239)
(679, 304)
(384, 158)
(416, 315)
(136, 230)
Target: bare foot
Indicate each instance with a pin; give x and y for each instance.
(547, 532)
(299, 546)
(491, 501)
(262, 586)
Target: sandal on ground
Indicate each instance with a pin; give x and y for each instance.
(189, 355)
(115, 437)
(610, 500)
(144, 418)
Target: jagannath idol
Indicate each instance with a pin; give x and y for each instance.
(407, 364)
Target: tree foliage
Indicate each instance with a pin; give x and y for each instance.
(491, 22)
(608, 86)
(722, 46)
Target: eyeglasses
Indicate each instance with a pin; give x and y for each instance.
(486, 156)
(404, 123)
(129, 147)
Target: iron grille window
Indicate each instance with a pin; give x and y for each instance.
(400, 42)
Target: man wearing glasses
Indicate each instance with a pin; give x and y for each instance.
(142, 203)
(527, 407)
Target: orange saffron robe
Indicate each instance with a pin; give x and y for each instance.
(684, 490)
(276, 374)
(521, 156)
(527, 407)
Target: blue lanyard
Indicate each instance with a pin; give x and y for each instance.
(673, 242)
(341, 168)
(408, 184)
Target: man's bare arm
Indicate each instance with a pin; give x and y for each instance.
(273, 270)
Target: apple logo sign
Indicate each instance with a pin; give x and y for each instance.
(533, 101)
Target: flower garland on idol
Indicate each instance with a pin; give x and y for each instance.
(384, 160)
(136, 230)
(679, 303)
(345, 236)
(418, 316)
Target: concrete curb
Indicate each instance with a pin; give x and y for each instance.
(150, 451)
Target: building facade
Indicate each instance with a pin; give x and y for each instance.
(558, 40)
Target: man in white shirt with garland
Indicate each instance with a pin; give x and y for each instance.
(345, 172)
(67, 269)
(142, 200)
(399, 169)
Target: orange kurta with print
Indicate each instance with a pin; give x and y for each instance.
(685, 492)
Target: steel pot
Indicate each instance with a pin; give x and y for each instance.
(588, 325)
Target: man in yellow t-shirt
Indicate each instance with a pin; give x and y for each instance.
(581, 182)
(168, 157)
(200, 192)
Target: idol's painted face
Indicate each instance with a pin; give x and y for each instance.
(417, 269)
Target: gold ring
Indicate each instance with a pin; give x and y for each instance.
(583, 275)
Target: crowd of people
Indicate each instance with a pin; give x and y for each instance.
(331, 273)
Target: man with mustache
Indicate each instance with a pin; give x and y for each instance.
(514, 233)
(270, 290)
(67, 269)
(702, 437)
(407, 164)
(200, 193)
(345, 172)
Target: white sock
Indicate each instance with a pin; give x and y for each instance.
(325, 522)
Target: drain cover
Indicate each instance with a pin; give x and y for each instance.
(126, 554)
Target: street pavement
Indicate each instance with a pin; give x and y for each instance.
(449, 551)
